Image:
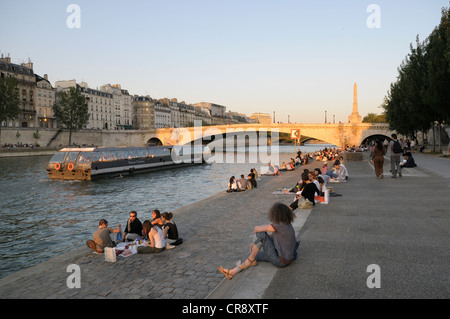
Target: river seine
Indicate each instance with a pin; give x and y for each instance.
(42, 218)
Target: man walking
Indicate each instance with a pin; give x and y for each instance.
(396, 152)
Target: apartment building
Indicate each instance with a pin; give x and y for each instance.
(262, 118)
(100, 104)
(144, 113)
(45, 99)
(123, 106)
(26, 88)
(162, 115)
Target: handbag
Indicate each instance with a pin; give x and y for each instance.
(303, 203)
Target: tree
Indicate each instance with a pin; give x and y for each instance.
(9, 100)
(71, 109)
(437, 92)
(374, 118)
(420, 97)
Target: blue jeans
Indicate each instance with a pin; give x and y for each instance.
(331, 174)
(267, 251)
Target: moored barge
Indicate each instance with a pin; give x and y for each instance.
(94, 162)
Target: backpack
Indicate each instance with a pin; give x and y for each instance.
(397, 148)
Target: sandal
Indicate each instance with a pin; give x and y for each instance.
(226, 272)
(252, 263)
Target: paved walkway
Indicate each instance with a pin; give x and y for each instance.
(402, 225)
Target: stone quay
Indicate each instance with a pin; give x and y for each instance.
(400, 224)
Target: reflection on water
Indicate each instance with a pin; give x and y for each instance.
(41, 218)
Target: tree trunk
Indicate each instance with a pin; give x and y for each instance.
(434, 138)
(70, 137)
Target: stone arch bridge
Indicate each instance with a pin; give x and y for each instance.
(338, 134)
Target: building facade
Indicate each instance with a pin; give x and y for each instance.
(45, 99)
(214, 109)
(100, 104)
(162, 115)
(144, 113)
(123, 106)
(26, 88)
(262, 118)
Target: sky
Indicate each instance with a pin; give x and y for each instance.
(293, 57)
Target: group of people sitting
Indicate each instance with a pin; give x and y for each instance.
(160, 233)
(313, 186)
(280, 246)
(327, 154)
(243, 184)
(290, 166)
(338, 173)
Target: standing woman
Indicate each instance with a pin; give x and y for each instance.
(378, 159)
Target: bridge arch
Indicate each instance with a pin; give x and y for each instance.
(380, 137)
(154, 141)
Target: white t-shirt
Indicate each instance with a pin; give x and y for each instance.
(159, 238)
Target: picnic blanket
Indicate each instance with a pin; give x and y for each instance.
(127, 249)
(282, 191)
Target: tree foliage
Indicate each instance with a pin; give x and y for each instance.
(421, 94)
(374, 118)
(71, 109)
(9, 100)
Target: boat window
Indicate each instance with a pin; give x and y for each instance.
(138, 153)
(108, 156)
(159, 151)
(58, 157)
(85, 157)
(71, 156)
(95, 157)
(122, 154)
(141, 152)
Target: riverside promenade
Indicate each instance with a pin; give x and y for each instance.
(402, 225)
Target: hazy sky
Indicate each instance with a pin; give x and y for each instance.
(297, 58)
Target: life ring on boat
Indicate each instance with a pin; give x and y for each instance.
(70, 167)
(57, 166)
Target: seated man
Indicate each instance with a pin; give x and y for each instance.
(133, 230)
(242, 183)
(408, 160)
(341, 171)
(102, 237)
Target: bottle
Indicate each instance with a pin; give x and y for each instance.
(119, 234)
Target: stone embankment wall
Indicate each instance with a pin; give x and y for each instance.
(82, 137)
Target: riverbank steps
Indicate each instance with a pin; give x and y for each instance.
(216, 231)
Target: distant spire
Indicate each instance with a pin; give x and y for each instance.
(355, 117)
